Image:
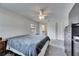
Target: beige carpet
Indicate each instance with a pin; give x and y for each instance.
(56, 48)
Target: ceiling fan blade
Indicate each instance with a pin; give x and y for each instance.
(45, 13)
(36, 8)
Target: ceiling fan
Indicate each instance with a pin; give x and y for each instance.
(42, 12)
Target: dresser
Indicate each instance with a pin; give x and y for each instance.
(2, 47)
(67, 40)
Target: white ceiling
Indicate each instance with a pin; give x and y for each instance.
(56, 10)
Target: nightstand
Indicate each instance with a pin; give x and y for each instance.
(2, 47)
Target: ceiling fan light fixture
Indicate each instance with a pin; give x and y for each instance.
(41, 17)
(42, 14)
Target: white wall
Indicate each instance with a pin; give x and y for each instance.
(61, 26)
(74, 14)
(56, 31)
(12, 24)
(51, 29)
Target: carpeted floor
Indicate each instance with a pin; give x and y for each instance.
(54, 51)
(56, 48)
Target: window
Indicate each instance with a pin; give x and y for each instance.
(33, 28)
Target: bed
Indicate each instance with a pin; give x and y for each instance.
(28, 45)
